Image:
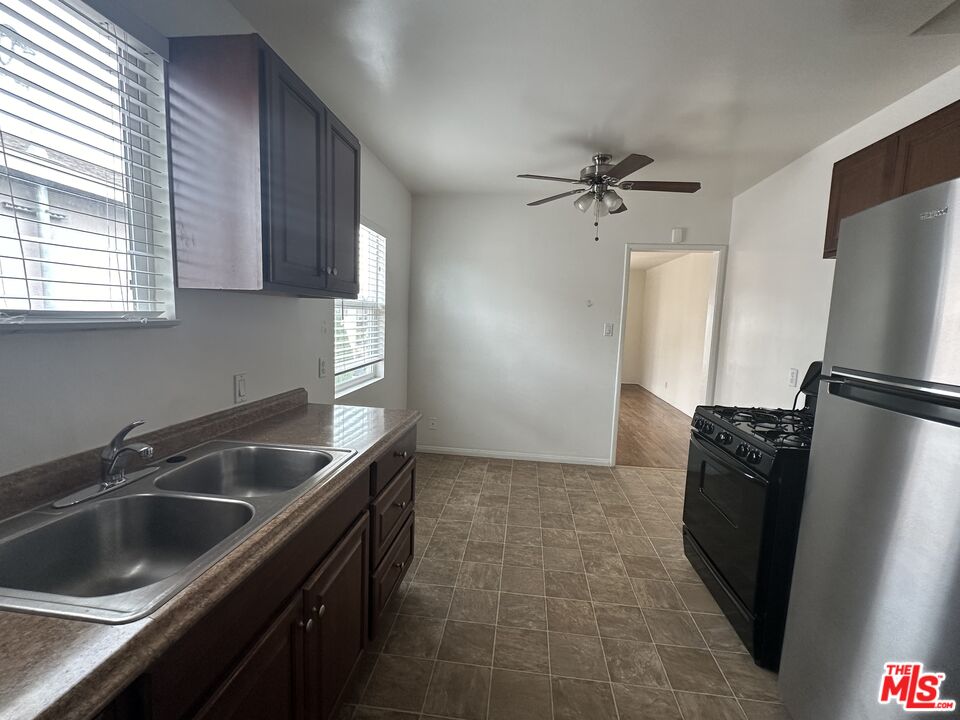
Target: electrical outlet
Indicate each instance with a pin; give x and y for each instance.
(239, 388)
(322, 367)
(433, 423)
(794, 377)
(608, 329)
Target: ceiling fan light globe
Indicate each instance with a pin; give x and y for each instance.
(612, 201)
(584, 202)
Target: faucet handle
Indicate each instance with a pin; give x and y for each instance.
(118, 439)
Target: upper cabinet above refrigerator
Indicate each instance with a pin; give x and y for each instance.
(923, 154)
(266, 179)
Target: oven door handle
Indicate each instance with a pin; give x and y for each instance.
(727, 461)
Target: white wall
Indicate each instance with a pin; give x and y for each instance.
(672, 329)
(69, 391)
(778, 285)
(632, 362)
(506, 315)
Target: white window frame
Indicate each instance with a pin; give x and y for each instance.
(85, 130)
(372, 296)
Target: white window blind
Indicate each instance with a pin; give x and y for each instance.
(84, 200)
(361, 324)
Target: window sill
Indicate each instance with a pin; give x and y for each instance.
(35, 327)
(353, 388)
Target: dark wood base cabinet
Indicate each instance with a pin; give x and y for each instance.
(285, 644)
(267, 684)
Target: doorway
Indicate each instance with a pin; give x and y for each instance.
(668, 344)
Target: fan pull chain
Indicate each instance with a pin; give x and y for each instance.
(596, 221)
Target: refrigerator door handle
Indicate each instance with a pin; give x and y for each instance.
(928, 402)
(884, 383)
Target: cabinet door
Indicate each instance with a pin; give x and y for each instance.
(929, 151)
(336, 605)
(343, 177)
(267, 684)
(295, 178)
(860, 181)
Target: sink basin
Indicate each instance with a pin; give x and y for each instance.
(245, 471)
(116, 555)
(118, 544)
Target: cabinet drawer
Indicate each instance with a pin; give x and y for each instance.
(391, 570)
(390, 462)
(390, 508)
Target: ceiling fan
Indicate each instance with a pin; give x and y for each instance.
(602, 180)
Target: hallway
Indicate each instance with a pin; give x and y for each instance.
(651, 432)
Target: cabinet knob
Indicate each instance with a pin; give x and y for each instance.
(400, 454)
(321, 611)
(400, 505)
(400, 564)
(334, 272)
(309, 626)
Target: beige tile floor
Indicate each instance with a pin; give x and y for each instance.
(554, 592)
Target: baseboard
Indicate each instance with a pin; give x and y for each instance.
(503, 455)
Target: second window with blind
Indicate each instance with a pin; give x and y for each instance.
(360, 325)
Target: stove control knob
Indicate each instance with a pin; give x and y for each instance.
(708, 428)
(725, 437)
(698, 423)
(742, 450)
(754, 457)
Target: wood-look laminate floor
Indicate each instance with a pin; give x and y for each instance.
(651, 432)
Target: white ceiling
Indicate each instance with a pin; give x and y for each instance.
(461, 96)
(651, 259)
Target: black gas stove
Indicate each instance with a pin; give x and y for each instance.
(755, 435)
(745, 480)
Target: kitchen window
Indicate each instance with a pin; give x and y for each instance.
(85, 231)
(360, 325)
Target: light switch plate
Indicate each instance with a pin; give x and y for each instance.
(239, 388)
(608, 329)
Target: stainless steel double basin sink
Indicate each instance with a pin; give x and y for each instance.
(118, 556)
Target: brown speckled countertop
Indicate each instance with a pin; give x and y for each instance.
(70, 669)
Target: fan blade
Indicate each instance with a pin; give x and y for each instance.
(550, 177)
(622, 208)
(555, 197)
(656, 186)
(630, 164)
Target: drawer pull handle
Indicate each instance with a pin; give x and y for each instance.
(401, 454)
(400, 565)
(400, 505)
(320, 613)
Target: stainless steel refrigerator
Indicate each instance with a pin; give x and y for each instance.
(877, 574)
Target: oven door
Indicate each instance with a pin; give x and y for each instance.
(723, 510)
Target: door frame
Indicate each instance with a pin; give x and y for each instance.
(711, 343)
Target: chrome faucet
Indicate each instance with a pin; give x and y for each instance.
(115, 456)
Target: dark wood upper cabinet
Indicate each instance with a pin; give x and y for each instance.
(343, 153)
(860, 181)
(922, 154)
(266, 180)
(930, 150)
